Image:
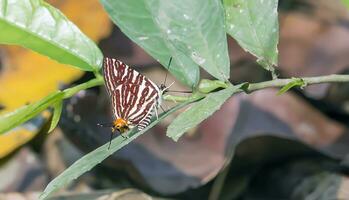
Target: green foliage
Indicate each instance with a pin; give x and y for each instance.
(91, 83)
(254, 25)
(192, 32)
(295, 82)
(196, 28)
(57, 111)
(95, 157)
(23, 114)
(135, 19)
(36, 25)
(199, 112)
(206, 86)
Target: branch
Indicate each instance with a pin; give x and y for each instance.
(334, 78)
(91, 83)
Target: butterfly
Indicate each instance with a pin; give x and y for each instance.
(134, 97)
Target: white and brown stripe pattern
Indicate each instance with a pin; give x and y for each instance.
(134, 97)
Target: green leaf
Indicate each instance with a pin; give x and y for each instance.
(254, 25)
(69, 92)
(199, 112)
(57, 111)
(23, 114)
(95, 157)
(135, 19)
(295, 82)
(196, 28)
(206, 86)
(40, 27)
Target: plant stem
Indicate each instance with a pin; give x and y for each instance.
(194, 96)
(97, 74)
(91, 83)
(251, 87)
(333, 78)
(307, 80)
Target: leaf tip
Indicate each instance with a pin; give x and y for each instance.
(173, 134)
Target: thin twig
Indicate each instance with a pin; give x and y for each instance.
(334, 78)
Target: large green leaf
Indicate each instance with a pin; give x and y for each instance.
(23, 114)
(254, 25)
(135, 19)
(90, 160)
(40, 27)
(199, 112)
(196, 28)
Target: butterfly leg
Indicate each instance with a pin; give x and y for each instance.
(166, 105)
(168, 87)
(156, 113)
(124, 136)
(163, 110)
(111, 138)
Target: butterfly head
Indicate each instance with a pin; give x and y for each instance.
(163, 88)
(121, 125)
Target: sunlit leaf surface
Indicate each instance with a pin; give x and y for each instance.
(36, 25)
(254, 25)
(196, 28)
(136, 20)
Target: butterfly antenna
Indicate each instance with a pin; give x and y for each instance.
(178, 91)
(168, 68)
(105, 124)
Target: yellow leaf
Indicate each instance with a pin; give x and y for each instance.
(21, 135)
(27, 76)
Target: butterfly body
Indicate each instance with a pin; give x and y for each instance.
(121, 125)
(134, 98)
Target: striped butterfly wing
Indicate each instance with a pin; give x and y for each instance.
(133, 96)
